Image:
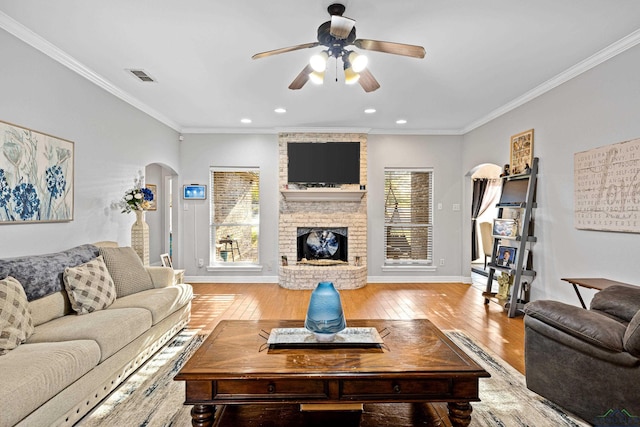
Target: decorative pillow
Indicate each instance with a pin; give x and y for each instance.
(127, 271)
(89, 286)
(16, 324)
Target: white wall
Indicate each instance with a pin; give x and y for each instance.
(113, 141)
(442, 153)
(600, 107)
(198, 152)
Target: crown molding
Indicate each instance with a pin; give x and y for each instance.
(26, 35)
(594, 60)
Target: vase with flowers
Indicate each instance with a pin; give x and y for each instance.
(138, 199)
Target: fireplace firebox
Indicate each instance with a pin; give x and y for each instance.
(314, 243)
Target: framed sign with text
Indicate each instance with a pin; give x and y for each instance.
(607, 188)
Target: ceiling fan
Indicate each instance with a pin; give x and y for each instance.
(335, 35)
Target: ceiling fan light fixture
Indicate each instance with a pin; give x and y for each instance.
(350, 76)
(358, 62)
(317, 77)
(319, 61)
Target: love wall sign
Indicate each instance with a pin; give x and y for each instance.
(607, 188)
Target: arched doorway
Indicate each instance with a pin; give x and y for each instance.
(486, 186)
(163, 220)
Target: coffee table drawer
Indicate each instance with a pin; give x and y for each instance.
(373, 389)
(270, 389)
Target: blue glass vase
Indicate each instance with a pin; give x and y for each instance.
(324, 315)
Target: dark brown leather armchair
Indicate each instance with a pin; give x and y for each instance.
(586, 361)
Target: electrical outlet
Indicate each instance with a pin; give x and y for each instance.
(456, 206)
(200, 262)
(441, 261)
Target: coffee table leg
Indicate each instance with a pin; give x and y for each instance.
(460, 413)
(202, 415)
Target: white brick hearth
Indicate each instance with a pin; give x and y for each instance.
(329, 212)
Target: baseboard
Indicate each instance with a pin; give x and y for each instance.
(370, 279)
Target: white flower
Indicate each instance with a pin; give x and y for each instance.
(138, 196)
(128, 197)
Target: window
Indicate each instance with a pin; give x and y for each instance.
(235, 215)
(408, 216)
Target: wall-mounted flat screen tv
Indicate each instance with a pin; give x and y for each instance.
(324, 162)
(514, 191)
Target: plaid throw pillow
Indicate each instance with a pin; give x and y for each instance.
(16, 324)
(89, 286)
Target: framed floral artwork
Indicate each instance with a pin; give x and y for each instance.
(153, 203)
(36, 176)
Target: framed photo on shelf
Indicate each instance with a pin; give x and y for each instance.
(506, 256)
(521, 152)
(505, 227)
(166, 260)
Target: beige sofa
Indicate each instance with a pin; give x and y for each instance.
(71, 362)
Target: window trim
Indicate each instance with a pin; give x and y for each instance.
(215, 265)
(410, 264)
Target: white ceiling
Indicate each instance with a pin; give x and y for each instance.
(483, 57)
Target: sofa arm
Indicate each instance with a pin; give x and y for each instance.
(161, 276)
(586, 325)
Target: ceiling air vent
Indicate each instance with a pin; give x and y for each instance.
(141, 75)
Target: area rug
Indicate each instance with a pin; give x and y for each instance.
(151, 398)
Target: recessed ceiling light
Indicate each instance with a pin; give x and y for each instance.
(370, 110)
(280, 110)
(401, 121)
(246, 121)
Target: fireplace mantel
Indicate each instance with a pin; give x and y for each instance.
(323, 195)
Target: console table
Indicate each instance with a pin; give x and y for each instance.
(592, 283)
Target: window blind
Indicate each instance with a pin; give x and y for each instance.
(235, 215)
(408, 216)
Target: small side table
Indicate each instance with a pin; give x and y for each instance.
(230, 245)
(593, 283)
(178, 276)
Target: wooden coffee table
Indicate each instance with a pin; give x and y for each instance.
(417, 363)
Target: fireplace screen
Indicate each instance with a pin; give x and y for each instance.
(322, 243)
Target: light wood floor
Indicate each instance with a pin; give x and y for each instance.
(448, 305)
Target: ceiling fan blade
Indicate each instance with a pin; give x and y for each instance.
(367, 81)
(301, 78)
(341, 26)
(390, 47)
(285, 50)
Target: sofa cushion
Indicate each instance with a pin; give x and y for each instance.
(589, 326)
(50, 307)
(16, 324)
(127, 270)
(89, 286)
(632, 336)
(620, 301)
(111, 329)
(34, 373)
(41, 275)
(160, 302)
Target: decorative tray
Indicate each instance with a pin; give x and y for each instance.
(301, 337)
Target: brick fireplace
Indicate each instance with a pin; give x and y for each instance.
(320, 209)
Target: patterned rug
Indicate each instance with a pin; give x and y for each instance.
(151, 398)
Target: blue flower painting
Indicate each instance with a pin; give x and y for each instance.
(36, 176)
